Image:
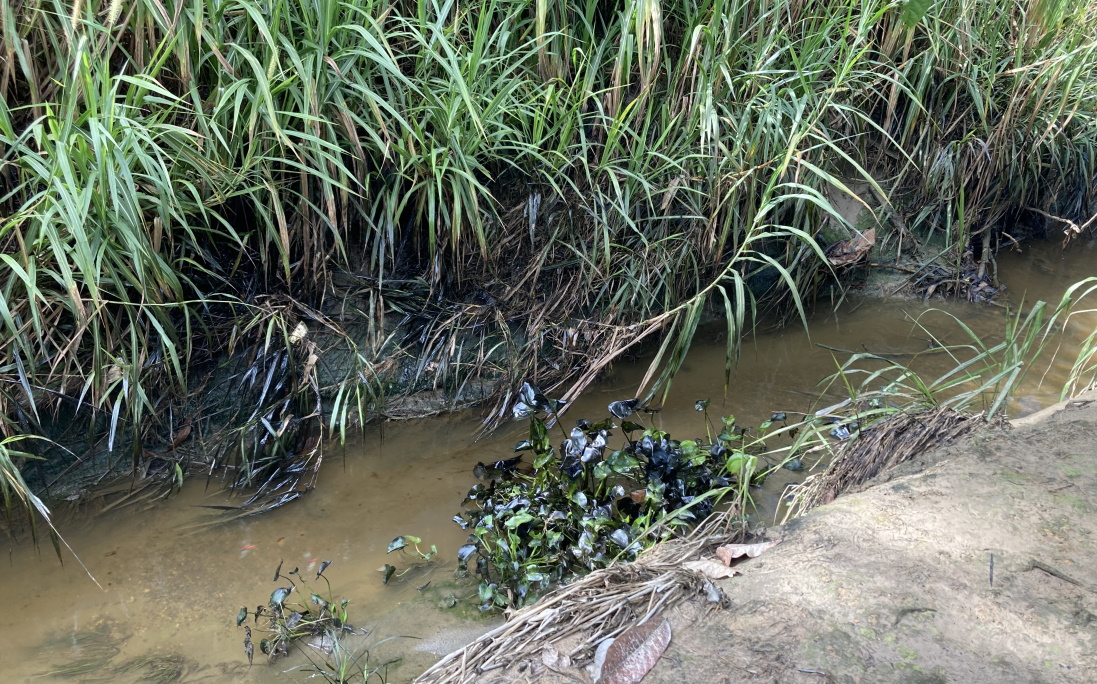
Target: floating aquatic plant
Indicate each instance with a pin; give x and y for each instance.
(582, 504)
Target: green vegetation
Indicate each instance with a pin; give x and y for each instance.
(587, 505)
(193, 188)
(316, 626)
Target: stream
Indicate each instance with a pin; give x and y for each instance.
(171, 587)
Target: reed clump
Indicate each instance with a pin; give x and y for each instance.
(535, 187)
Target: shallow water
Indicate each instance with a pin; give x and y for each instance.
(167, 589)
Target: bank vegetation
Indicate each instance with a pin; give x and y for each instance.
(304, 205)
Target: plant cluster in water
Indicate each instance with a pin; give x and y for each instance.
(585, 504)
(296, 615)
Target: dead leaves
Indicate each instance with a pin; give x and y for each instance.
(632, 655)
(711, 569)
(848, 251)
(730, 552)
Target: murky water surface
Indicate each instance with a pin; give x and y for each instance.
(169, 590)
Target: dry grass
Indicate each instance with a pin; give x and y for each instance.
(595, 607)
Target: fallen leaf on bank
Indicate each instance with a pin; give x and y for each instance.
(553, 659)
(634, 653)
(711, 569)
(180, 436)
(848, 251)
(730, 552)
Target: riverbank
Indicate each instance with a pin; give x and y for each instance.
(971, 563)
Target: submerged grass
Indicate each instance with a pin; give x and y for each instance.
(538, 187)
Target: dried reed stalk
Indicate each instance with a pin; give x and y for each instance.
(595, 607)
(883, 446)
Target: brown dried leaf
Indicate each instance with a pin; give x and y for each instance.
(711, 569)
(635, 652)
(180, 436)
(848, 251)
(730, 552)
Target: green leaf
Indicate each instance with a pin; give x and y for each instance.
(518, 519)
(914, 10)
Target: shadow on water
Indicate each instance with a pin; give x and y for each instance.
(171, 591)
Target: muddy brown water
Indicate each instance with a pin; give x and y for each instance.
(171, 590)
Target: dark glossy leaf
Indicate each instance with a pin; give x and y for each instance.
(293, 619)
(624, 409)
(778, 417)
(241, 616)
(279, 596)
(524, 445)
(461, 522)
(480, 471)
(584, 425)
(398, 543)
(620, 538)
(507, 465)
(278, 572)
(463, 555)
(264, 646)
(701, 405)
(794, 464)
(629, 426)
(840, 433)
(386, 573)
(323, 566)
(522, 410)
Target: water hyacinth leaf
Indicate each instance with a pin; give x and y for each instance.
(323, 566)
(293, 620)
(519, 519)
(463, 555)
(522, 410)
(241, 616)
(401, 542)
(386, 571)
(602, 471)
(794, 464)
(278, 572)
(620, 538)
(278, 597)
(319, 600)
(629, 426)
(701, 405)
(778, 417)
(460, 522)
(624, 409)
(480, 471)
(524, 445)
(580, 499)
(840, 433)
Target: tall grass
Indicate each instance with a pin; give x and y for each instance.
(571, 178)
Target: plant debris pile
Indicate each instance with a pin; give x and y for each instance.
(585, 505)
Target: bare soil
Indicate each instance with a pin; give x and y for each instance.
(976, 562)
